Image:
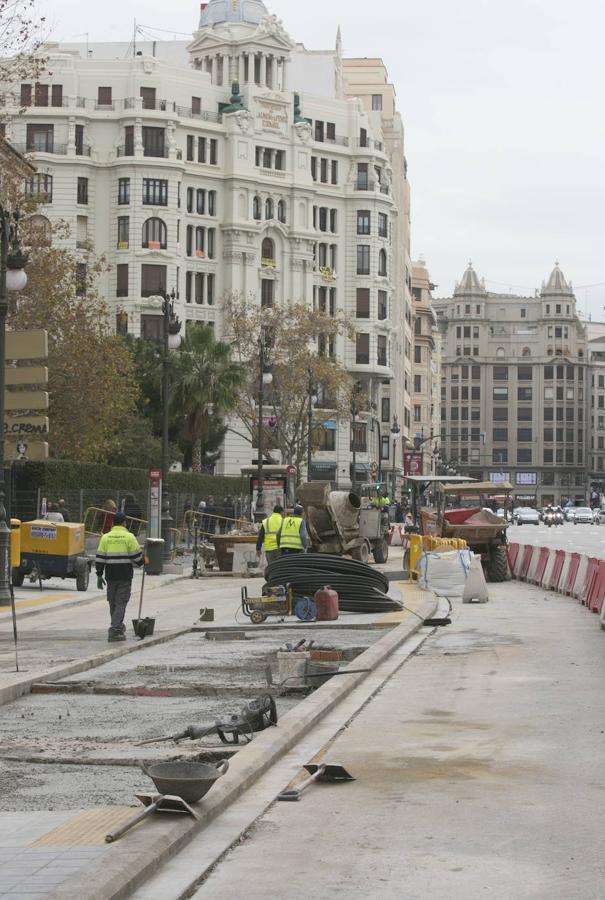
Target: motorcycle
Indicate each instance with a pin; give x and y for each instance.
(549, 519)
(559, 518)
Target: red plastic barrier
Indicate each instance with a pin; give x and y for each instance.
(555, 575)
(597, 595)
(512, 551)
(527, 555)
(542, 560)
(571, 573)
(591, 573)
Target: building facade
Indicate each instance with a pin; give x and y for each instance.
(595, 332)
(426, 398)
(148, 157)
(515, 389)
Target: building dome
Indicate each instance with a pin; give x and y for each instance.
(470, 283)
(219, 12)
(557, 283)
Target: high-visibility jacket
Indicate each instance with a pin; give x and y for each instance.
(290, 537)
(117, 553)
(271, 526)
(384, 502)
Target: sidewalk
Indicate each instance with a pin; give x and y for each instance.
(478, 773)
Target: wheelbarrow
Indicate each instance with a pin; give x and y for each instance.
(179, 784)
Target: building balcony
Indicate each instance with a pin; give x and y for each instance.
(186, 112)
(339, 140)
(56, 149)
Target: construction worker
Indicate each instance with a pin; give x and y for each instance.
(292, 536)
(117, 553)
(267, 536)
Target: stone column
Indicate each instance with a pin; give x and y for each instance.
(269, 71)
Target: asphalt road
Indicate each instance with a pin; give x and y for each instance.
(580, 538)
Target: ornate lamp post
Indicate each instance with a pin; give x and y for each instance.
(12, 278)
(172, 341)
(264, 377)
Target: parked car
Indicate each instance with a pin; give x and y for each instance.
(525, 515)
(568, 512)
(599, 516)
(583, 515)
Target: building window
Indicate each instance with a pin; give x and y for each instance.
(256, 208)
(128, 140)
(417, 384)
(334, 171)
(524, 373)
(363, 259)
(268, 208)
(382, 350)
(524, 455)
(524, 393)
(155, 192)
(39, 138)
(500, 434)
(358, 437)
(122, 323)
(382, 305)
(123, 232)
(267, 286)
(82, 190)
(362, 310)
(500, 373)
(40, 188)
(281, 211)
(152, 328)
(362, 349)
(417, 354)
(153, 141)
(327, 439)
(190, 147)
(212, 203)
(155, 234)
(123, 191)
(267, 252)
(79, 140)
(383, 225)
(500, 394)
(104, 99)
(362, 176)
(214, 153)
(122, 280)
(524, 435)
(153, 280)
(382, 262)
(201, 149)
(363, 221)
(377, 102)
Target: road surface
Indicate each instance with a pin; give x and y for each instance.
(580, 538)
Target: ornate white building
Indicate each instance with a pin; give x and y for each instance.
(149, 158)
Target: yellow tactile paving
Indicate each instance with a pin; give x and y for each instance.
(89, 827)
(41, 600)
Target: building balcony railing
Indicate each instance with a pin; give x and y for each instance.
(104, 107)
(60, 149)
(338, 139)
(124, 151)
(205, 115)
(85, 150)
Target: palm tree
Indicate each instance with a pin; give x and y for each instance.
(205, 383)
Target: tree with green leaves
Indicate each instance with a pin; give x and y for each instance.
(301, 352)
(205, 383)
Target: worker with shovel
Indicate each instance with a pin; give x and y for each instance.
(117, 553)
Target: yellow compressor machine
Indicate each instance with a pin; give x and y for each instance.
(51, 550)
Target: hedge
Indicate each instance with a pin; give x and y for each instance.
(57, 476)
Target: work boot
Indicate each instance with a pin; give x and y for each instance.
(115, 636)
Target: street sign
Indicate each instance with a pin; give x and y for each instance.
(412, 463)
(155, 502)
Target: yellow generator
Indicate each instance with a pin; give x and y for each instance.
(52, 550)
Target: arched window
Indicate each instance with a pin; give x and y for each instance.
(268, 208)
(41, 230)
(281, 211)
(256, 207)
(382, 262)
(526, 352)
(155, 235)
(500, 353)
(267, 252)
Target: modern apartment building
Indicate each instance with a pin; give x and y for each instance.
(515, 387)
(152, 162)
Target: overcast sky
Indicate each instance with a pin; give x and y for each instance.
(503, 109)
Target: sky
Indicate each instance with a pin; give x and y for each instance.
(503, 109)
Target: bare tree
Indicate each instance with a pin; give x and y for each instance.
(21, 37)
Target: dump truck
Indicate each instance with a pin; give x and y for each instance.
(340, 522)
(483, 531)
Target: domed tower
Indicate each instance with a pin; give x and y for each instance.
(238, 40)
(558, 299)
(469, 295)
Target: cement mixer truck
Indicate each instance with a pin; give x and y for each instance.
(340, 522)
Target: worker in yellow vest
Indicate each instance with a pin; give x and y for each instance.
(292, 536)
(267, 536)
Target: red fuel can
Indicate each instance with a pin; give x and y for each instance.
(326, 601)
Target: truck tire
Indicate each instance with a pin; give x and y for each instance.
(82, 575)
(361, 553)
(380, 551)
(497, 564)
(18, 576)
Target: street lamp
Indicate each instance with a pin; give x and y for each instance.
(312, 396)
(354, 410)
(395, 430)
(171, 341)
(12, 278)
(265, 377)
(376, 421)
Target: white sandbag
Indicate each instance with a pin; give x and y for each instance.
(444, 573)
(394, 536)
(476, 585)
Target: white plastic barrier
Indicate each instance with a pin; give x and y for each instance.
(444, 573)
(580, 577)
(533, 565)
(519, 562)
(548, 570)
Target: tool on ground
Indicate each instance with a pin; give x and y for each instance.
(188, 780)
(142, 627)
(322, 772)
(152, 803)
(256, 715)
(275, 601)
